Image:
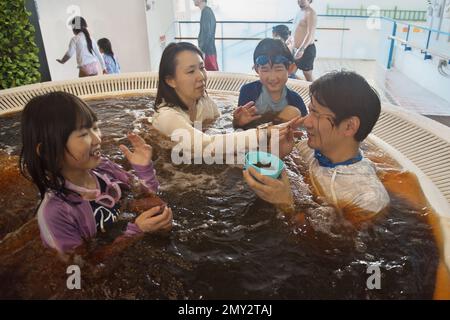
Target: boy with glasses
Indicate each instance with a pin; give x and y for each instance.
(269, 99)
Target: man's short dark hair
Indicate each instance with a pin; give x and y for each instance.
(348, 94)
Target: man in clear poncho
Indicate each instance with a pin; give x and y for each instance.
(343, 110)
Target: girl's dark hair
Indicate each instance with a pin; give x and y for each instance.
(105, 45)
(79, 24)
(282, 30)
(272, 47)
(167, 68)
(348, 94)
(47, 122)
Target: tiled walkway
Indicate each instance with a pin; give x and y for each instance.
(393, 87)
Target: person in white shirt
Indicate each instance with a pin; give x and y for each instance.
(85, 48)
(343, 110)
(182, 104)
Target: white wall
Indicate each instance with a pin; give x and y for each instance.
(412, 63)
(160, 19)
(423, 72)
(123, 22)
(360, 40)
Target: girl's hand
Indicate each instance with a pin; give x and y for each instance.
(142, 154)
(152, 221)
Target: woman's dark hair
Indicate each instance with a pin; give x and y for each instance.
(79, 24)
(271, 48)
(106, 47)
(47, 122)
(348, 94)
(282, 30)
(167, 68)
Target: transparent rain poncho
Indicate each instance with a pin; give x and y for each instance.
(353, 189)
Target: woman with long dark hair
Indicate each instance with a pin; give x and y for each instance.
(85, 48)
(182, 103)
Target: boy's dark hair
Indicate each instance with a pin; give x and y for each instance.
(167, 68)
(46, 124)
(79, 24)
(105, 45)
(273, 47)
(282, 30)
(348, 94)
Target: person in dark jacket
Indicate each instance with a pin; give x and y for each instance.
(207, 35)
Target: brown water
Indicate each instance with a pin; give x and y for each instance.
(226, 243)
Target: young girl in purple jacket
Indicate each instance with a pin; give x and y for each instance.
(80, 189)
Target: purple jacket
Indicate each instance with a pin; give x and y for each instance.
(64, 226)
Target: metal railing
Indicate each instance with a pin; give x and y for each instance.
(265, 33)
(408, 43)
(396, 14)
(393, 35)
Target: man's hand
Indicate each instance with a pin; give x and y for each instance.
(274, 191)
(245, 114)
(299, 54)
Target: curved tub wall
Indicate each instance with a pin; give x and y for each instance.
(419, 144)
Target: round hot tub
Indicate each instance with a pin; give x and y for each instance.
(226, 243)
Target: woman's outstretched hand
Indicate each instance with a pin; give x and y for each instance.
(285, 133)
(142, 154)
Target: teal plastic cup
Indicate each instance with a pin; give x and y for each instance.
(265, 163)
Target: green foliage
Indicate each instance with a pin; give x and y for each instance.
(19, 62)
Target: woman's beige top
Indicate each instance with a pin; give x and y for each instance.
(175, 123)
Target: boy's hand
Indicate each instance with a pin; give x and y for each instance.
(142, 154)
(245, 114)
(152, 221)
